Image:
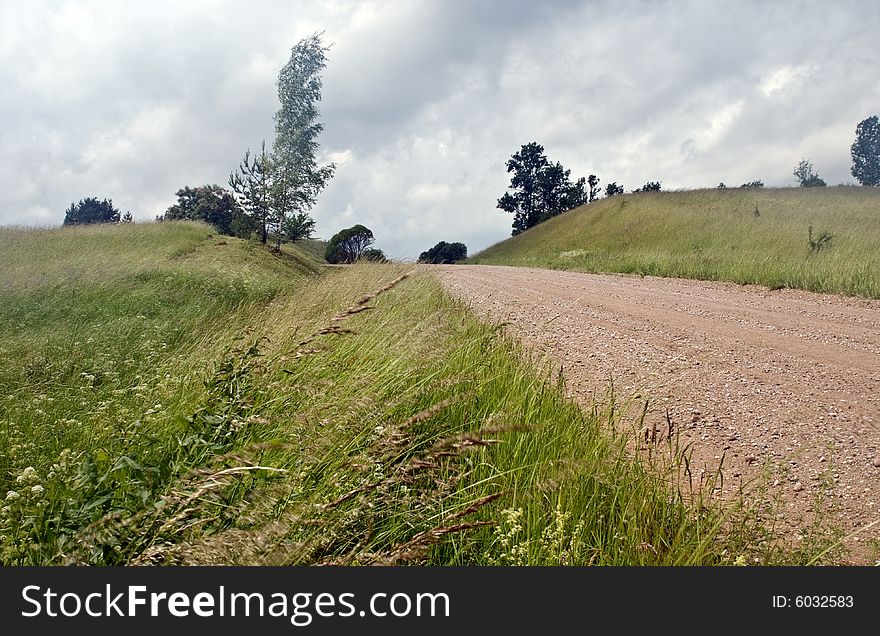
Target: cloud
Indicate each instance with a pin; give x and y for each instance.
(424, 101)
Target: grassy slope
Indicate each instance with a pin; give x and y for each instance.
(170, 397)
(715, 235)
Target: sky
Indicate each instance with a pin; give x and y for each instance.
(424, 102)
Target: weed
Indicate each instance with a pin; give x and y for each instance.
(820, 242)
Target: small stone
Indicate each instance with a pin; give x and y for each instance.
(876, 461)
(798, 487)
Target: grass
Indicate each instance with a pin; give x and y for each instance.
(168, 396)
(758, 236)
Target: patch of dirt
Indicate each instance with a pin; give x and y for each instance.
(786, 381)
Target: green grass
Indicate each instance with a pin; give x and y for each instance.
(715, 235)
(168, 396)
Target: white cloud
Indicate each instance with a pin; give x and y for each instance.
(717, 125)
(784, 79)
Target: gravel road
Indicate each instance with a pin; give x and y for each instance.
(778, 382)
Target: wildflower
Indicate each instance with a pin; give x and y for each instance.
(37, 490)
(12, 495)
(28, 476)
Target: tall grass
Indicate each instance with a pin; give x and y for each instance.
(218, 405)
(746, 236)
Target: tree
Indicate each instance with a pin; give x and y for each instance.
(721, 186)
(650, 186)
(209, 203)
(347, 246)
(806, 177)
(524, 203)
(90, 210)
(866, 152)
(127, 217)
(297, 179)
(612, 189)
(444, 253)
(277, 189)
(539, 189)
(595, 190)
(297, 226)
(251, 182)
(751, 185)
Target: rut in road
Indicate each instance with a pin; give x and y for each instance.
(783, 382)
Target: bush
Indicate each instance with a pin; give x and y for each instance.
(444, 253)
(373, 255)
(820, 242)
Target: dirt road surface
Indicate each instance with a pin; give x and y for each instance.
(778, 382)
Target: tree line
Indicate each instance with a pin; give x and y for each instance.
(540, 189)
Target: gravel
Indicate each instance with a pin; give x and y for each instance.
(783, 381)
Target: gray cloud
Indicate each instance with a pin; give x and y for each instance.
(424, 101)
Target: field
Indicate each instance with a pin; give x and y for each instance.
(169, 396)
(759, 236)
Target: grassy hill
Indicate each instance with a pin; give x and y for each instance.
(745, 236)
(172, 396)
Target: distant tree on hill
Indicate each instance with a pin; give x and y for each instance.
(209, 203)
(297, 178)
(347, 246)
(866, 152)
(721, 186)
(612, 189)
(753, 184)
(650, 186)
(444, 252)
(91, 210)
(595, 190)
(806, 177)
(539, 189)
(127, 217)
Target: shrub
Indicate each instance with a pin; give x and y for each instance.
(444, 252)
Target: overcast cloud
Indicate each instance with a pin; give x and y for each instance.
(425, 101)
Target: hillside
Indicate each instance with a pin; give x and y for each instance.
(169, 396)
(745, 236)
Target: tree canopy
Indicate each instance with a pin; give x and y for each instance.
(297, 179)
(539, 189)
(91, 210)
(348, 245)
(866, 152)
(444, 252)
